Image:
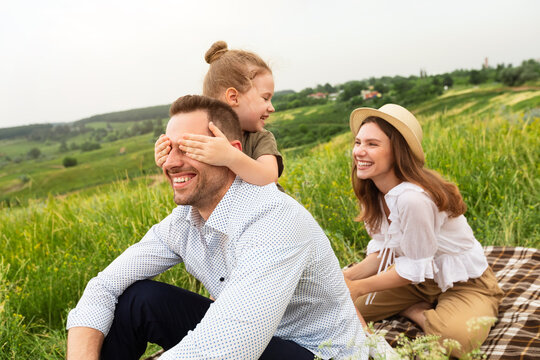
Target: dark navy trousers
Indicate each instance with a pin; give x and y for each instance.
(150, 311)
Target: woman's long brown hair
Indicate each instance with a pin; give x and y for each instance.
(445, 194)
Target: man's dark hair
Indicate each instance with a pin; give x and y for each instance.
(221, 114)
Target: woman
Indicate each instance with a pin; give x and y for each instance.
(423, 261)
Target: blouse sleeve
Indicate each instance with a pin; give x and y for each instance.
(376, 244)
(418, 216)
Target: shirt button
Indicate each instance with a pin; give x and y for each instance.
(221, 279)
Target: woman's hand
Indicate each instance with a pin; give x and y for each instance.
(356, 288)
(216, 151)
(162, 148)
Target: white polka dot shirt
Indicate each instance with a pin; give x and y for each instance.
(264, 259)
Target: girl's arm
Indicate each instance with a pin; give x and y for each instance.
(389, 279)
(262, 171)
(218, 151)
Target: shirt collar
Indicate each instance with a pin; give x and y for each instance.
(218, 220)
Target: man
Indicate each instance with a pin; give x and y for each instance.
(279, 291)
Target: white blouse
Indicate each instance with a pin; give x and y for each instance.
(424, 242)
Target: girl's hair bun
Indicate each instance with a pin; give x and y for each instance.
(216, 51)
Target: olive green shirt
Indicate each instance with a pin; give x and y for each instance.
(256, 144)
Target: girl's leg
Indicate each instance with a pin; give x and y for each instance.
(415, 313)
(391, 302)
(458, 309)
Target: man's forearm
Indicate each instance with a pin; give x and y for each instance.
(84, 343)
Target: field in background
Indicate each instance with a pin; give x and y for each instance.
(485, 140)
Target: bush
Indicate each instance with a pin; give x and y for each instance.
(34, 153)
(69, 162)
(24, 178)
(89, 146)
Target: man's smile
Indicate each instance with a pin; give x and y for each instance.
(181, 180)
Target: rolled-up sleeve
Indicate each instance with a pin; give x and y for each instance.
(146, 259)
(418, 225)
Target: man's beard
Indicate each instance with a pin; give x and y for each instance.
(208, 190)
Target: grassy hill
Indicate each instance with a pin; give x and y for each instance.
(297, 129)
(485, 139)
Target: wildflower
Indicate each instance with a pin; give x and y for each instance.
(481, 322)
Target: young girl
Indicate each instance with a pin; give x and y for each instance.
(245, 82)
(423, 261)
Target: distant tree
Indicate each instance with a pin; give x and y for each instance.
(498, 72)
(157, 131)
(34, 153)
(158, 123)
(135, 129)
(477, 77)
(528, 74)
(351, 89)
(356, 100)
(99, 134)
(329, 88)
(306, 92)
(73, 146)
(447, 80)
(89, 146)
(510, 76)
(530, 71)
(63, 147)
(146, 127)
(113, 136)
(402, 85)
(69, 161)
(436, 80)
(381, 87)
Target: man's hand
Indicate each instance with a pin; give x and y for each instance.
(84, 343)
(216, 151)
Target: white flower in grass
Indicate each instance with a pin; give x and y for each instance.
(481, 322)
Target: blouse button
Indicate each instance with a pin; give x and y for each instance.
(221, 279)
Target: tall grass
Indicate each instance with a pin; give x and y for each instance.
(54, 247)
(51, 248)
(493, 158)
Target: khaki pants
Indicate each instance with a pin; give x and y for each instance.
(453, 308)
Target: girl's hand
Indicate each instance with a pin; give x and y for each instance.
(162, 148)
(215, 151)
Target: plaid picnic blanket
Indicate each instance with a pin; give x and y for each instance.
(516, 335)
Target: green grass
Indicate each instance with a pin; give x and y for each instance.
(96, 167)
(51, 247)
(19, 147)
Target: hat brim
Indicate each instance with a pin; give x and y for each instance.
(360, 114)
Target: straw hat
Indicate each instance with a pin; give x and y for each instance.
(400, 118)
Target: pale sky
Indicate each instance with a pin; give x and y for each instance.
(64, 60)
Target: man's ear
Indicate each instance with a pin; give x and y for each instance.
(237, 144)
(231, 96)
